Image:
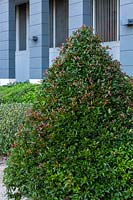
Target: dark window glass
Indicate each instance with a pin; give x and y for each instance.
(58, 22)
(106, 19)
(61, 21)
(51, 23)
(22, 27)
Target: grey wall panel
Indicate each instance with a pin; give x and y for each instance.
(80, 12)
(127, 58)
(35, 29)
(75, 22)
(4, 73)
(38, 8)
(4, 45)
(75, 15)
(3, 7)
(4, 39)
(12, 71)
(125, 30)
(39, 51)
(4, 35)
(35, 19)
(88, 12)
(126, 36)
(4, 64)
(125, 2)
(7, 39)
(4, 17)
(127, 69)
(3, 26)
(36, 63)
(36, 52)
(125, 45)
(12, 39)
(4, 54)
(36, 73)
(75, 8)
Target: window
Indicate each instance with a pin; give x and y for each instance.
(58, 22)
(22, 27)
(106, 19)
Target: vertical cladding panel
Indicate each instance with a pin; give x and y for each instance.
(7, 39)
(12, 39)
(45, 35)
(126, 36)
(4, 39)
(80, 12)
(88, 12)
(75, 15)
(39, 49)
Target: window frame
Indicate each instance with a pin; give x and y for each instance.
(118, 21)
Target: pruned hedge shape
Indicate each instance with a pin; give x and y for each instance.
(77, 142)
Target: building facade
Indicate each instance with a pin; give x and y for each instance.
(31, 32)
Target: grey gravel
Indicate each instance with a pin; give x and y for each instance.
(2, 188)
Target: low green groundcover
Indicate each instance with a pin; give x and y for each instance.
(76, 143)
(18, 93)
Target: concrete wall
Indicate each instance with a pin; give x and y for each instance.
(4, 39)
(126, 36)
(75, 15)
(39, 51)
(88, 12)
(7, 41)
(80, 12)
(12, 39)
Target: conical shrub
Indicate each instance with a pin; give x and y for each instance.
(76, 143)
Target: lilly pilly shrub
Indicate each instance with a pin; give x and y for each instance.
(76, 142)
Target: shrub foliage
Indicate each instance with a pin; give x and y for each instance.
(18, 93)
(11, 115)
(76, 142)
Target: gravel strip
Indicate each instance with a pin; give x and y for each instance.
(2, 188)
